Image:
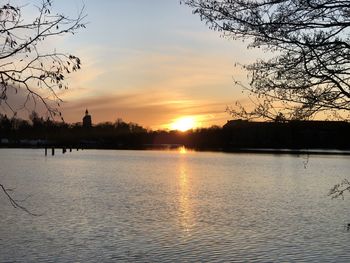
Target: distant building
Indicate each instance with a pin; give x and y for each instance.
(87, 122)
(235, 123)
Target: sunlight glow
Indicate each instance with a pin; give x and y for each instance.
(185, 192)
(183, 150)
(183, 124)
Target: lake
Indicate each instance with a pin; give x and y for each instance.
(173, 206)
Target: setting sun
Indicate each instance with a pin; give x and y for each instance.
(183, 124)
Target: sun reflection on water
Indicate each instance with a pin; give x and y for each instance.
(185, 201)
(182, 150)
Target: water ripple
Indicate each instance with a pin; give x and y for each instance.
(131, 206)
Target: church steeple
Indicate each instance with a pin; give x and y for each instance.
(87, 122)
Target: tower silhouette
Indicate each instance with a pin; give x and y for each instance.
(87, 122)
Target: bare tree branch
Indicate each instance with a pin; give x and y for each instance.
(26, 68)
(25, 65)
(15, 203)
(308, 67)
(338, 190)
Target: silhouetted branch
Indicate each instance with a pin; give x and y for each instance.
(15, 203)
(338, 190)
(307, 69)
(25, 66)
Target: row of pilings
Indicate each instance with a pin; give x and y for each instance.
(64, 149)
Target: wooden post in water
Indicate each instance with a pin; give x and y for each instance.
(64, 150)
(70, 149)
(53, 151)
(45, 151)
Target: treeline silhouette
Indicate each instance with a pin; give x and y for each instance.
(288, 134)
(235, 135)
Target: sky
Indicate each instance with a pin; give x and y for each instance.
(150, 62)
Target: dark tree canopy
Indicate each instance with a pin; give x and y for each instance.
(308, 65)
(26, 67)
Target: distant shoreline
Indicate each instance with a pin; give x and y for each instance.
(292, 151)
(160, 148)
(239, 136)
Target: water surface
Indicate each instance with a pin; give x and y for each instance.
(154, 206)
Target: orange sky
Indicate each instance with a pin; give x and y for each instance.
(149, 62)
